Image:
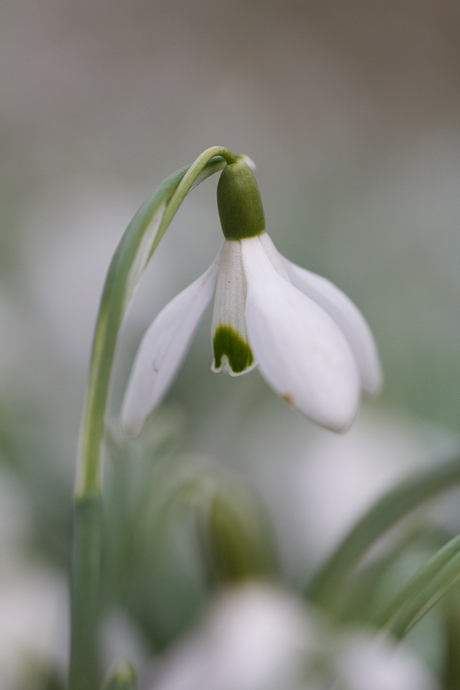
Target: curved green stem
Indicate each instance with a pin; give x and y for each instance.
(129, 261)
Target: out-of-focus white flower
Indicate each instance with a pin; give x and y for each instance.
(310, 342)
(255, 637)
(368, 663)
(33, 598)
(33, 623)
(258, 637)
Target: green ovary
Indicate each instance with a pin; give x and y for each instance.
(227, 342)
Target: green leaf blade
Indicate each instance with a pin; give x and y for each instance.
(327, 583)
(439, 578)
(420, 580)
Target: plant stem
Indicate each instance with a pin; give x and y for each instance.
(84, 666)
(130, 259)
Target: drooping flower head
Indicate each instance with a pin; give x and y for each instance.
(310, 342)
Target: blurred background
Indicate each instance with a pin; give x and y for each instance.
(351, 114)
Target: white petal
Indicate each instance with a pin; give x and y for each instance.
(230, 339)
(368, 661)
(274, 255)
(302, 353)
(163, 349)
(347, 316)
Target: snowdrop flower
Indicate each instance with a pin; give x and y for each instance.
(309, 341)
(255, 637)
(33, 624)
(260, 637)
(378, 663)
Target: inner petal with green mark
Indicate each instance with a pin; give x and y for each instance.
(228, 344)
(232, 353)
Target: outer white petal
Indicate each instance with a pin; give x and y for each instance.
(274, 255)
(254, 637)
(374, 662)
(302, 353)
(347, 316)
(229, 313)
(163, 349)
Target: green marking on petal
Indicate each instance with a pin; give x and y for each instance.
(227, 342)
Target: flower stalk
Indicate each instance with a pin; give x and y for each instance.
(130, 259)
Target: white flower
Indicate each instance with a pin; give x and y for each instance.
(375, 662)
(33, 623)
(254, 637)
(259, 637)
(310, 342)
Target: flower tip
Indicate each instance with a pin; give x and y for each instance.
(341, 426)
(340, 423)
(341, 419)
(338, 420)
(131, 424)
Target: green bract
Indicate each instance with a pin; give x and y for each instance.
(240, 204)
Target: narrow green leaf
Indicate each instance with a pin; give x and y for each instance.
(362, 597)
(441, 582)
(451, 670)
(327, 584)
(419, 581)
